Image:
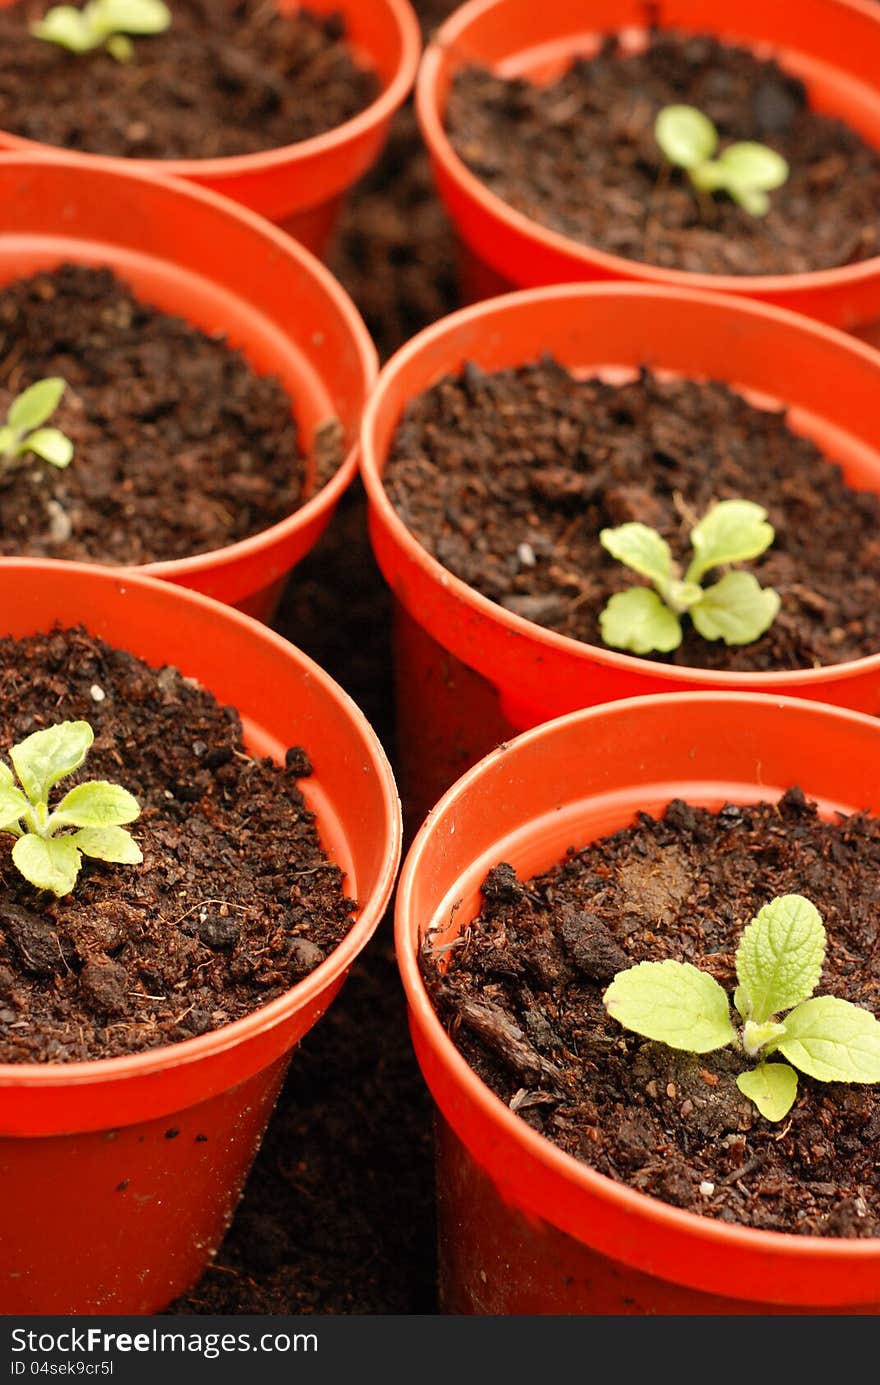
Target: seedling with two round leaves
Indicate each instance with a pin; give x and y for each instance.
(778, 964)
(46, 854)
(103, 24)
(746, 171)
(23, 431)
(736, 609)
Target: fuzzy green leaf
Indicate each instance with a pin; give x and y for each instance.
(673, 1003)
(637, 620)
(13, 805)
(772, 1087)
(8, 440)
(751, 165)
(736, 610)
(780, 955)
(686, 136)
(109, 844)
(832, 1040)
(733, 531)
(47, 756)
(96, 804)
(69, 28)
(35, 404)
(129, 16)
(640, 548)
(6, 775)
(50, 863)
(50, 444)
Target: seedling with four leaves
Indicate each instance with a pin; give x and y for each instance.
(24, 433)
(736, 608)
(778, 964)
(103, 24)
(45, 853)
(746, 171)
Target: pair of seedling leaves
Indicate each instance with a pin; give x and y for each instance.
(88, 821)
(746, 171)
(778, 964)
(103, 24)
(23, 431)
(736, 608)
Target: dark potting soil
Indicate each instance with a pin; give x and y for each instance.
(235, 900)
(522, 999)
(180, 448)
(579, 156)
(507, 479)
(228, 77)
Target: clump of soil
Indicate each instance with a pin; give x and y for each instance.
(228, 77)
(235, 900)
(522, 999)
(180, 447)
(579, 156)
(508, 478)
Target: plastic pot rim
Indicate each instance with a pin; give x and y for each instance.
(238, 165)
(265, 1017)
(372, 468)
(430, 118)
(537, 1147)
(180, 569)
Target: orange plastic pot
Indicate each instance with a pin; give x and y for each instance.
(469, 673)
(523, 1227)
(201, 257)
(832, 45)
(120, 1176)
(302, 186)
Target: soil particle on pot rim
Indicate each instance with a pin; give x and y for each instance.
(180, 447)
(235, 900)
(521, 996)
(228, 77)
(579, 155)
(508, 478)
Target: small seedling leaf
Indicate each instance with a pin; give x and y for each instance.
(47, 756)
(780, 955)
(35, 404)
(13, 805)
(772, 1087)
(686, 136)
(640, 548)
(6, 775)
(832, 1040)
(673, 1003)
(637, 620)
(52, 445)
(132, 16)
(97, 804)
(750, 165)
(68, 27)
(109, 844)
(736, 610)
(50, 863)
(733, 531)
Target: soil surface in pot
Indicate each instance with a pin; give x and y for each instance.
(228, 77)
(180, 447)
(235, 900)
(508, 478)
(579, 156)
(522, 999)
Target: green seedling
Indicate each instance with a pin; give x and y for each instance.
(778, 964)
(736, 609)
(103, 24)
(23, 431)
(46, 854)
(746, 171)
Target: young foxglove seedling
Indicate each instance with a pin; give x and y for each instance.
(736, 609)
(746, 171)
(778, 964)
(47, 855)
(23, 431)
(103, 23)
